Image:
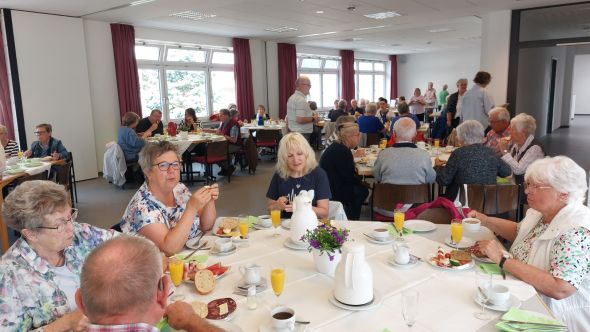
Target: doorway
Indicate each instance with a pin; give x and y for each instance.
(551, 96)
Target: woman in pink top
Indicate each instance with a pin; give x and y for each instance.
(417, 104)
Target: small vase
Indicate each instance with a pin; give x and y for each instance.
(323, 262)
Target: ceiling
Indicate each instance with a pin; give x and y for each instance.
(424, 25)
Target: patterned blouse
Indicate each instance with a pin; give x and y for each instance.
(145, 209)
(569, 256)
(30, 298)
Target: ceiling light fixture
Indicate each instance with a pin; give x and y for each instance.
(140, 2)
(319, 11)
(441, 30)
(193, 15)
(371, 28)
(383, 15)
(318, 34)
(280, 29)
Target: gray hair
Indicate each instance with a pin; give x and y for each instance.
(561, 173)
(301, 79)
(405, 129)
(403, 108)
(371, 108)
(462, 80)
(342, 104)
(294, 141)
(129, 118)
(501, 112)
(470, 132)
(151, 151)
(28, 204)
(524, 122)
(346, 130)
(112, 283)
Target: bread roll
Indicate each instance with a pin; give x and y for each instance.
(204, 281)
(231, 223)
(200, 308)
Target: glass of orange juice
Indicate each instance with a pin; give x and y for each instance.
(176, 268)
(243, 227)
(398, 220)
(436, 143)
(277, 279)
(275, 217)
(456, 231)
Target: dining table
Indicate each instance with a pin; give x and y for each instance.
(364, 165)
(446, 297)
(247, 128)
(185, 143)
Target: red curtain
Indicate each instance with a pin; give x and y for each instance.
(5, 105)
(126, 68)
(393, 91)
(347, 74)
(287, 74)
(243, 76)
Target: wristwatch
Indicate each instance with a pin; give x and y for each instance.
(505, 257)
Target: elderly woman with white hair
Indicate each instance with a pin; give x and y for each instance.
(10, 147)
(296, 170)
(500, 128)
(472, 162)
(550, 245)
(525, 149)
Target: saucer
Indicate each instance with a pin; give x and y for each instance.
(238, 239)
(216, 252)
(295, 246)
(372, 239)
(267, 327)
(368, 306)
(286, 224)
(420, 226)
(463, 244)
(413, 261)
(192, 243)
(513, 301)
(260, 227)
(262, 282)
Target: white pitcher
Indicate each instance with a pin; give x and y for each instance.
(353, 277)
(303, 217)
(401, 252)
(251, 273)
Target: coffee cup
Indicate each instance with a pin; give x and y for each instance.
(264, 220)
(283, 319)
(471, 224)
(401, 252)
(498, 294)
(223, 244)
(380, 234)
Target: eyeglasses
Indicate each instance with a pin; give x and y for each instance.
(164, 166)
(308, 84)
(533, 187)
(37, 133)
(62, 223)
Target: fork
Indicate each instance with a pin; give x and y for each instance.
(543, 328)
(198, 248)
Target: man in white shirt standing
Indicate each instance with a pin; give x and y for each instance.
(299, 116)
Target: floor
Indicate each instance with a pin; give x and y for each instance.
(572, 142)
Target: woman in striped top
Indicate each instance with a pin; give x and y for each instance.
(10, 147)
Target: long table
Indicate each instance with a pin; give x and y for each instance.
(446, 297)
(184, 144)
(247, 128)
(366, 170)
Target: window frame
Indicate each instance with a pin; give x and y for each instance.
(320, 71)
(373, 74)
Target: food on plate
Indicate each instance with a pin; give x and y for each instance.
(476, 251)
(200, 308)
(227, 226)
(192, 268)
(204, 281)
(450, 259)
(221, 308)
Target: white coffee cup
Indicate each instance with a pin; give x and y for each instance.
(283, 319)
(251, 273)
(381, 234)
(401, 252)
(264, 220)
(498, 294)
(223, 244)
(471, 224)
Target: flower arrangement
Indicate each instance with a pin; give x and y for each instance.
(183, 126)
(326, 238)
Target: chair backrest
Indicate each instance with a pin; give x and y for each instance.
(251, 154)
(63, 174)
(267, 136)
(372, 139)
(39, 176)
(218, 149)
(492, 198)
(386, 196)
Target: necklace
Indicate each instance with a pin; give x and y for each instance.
(298, 181)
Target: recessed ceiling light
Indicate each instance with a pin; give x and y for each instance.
(140, 2)
(192, 15)
(396, 45)
(353, 39)
(441, 30)
(371, 28)
(319, 11)
(281, 29)
(318, 34)
(383, 15)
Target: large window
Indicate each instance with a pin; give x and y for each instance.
(174, 78)
(370, 79)
(323, 72)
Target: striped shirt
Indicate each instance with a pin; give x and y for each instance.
(137, 327)
(11, 149)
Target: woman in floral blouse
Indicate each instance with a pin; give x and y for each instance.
(550, 245)
(40, 273)
(163, 209)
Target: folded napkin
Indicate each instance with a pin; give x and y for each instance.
(500, 180)
(393, 231)
(439, 202)
(490, 268)
(193, 258)
(522, 317)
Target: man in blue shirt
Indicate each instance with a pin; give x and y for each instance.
(369, 123)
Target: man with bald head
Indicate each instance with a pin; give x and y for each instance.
(122, 288)
(500, 127)
(299, 116)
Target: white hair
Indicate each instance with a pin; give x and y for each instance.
(524, 122)
(501, 112)
(405, 129)
(470, 132)
(371, 108)
(561, 173)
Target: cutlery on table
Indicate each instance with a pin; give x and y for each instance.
(198, 248)
(540, 328)
(517, 322)
(302, 322)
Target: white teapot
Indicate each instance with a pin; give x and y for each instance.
(353, 278)
(303, 218)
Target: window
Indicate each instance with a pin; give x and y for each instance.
(174, 78)
(323, 72)
(370, 79)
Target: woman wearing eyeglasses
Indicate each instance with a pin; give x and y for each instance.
(163, 209)
(40, 272)
(550, 245)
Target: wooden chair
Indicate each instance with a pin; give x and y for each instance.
(63, 177)
(492, 199)
(215, 152)
(372, 139)
(40, 176)
(386, 196)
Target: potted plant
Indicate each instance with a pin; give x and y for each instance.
(326, 242)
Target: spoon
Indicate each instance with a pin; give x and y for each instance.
(459, 207)
(302, 322)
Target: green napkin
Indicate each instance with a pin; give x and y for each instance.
(490, 268)
(163, 325)
(195, 258)
(251, 220)
(500, 180)
(393, 231)
(524, 316)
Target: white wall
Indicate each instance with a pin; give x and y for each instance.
(258, 60)
(581, 83)
(54, 83)
(272, 79)
(416, 70)
(103, 85)
(495, 49)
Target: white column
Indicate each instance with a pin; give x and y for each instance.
(495, 48)
(272, 79)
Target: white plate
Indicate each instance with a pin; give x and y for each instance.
(33, 164)
(286, 224)
(215, 252)
(371, 239)
(261, 283)
(373, 304)
(513, 301)
(260, 227)
(216, 227)
(465, 267)
(295, 246)
(481, 259)
(464, 244)
(413, 262)
(191, 243)
(420, 225)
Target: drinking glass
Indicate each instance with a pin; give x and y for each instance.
(456, 232)
(275, 216)
(176, 268)
(398, 221)
(483, 282)
(277, 279)
(243, 226)
(410, 306)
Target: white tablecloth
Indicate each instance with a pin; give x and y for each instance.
(446, 302)
(246, 128)
(184, 144)
(45, 166)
